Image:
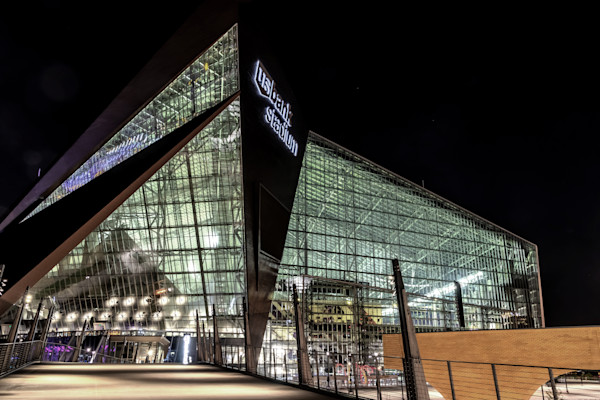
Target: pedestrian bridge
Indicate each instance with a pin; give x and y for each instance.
(62, 381)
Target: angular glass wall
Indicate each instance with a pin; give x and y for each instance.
(211, 78)
(350, 219)
(174, 248)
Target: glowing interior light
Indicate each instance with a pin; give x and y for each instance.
(28, 298)
(145, 301)
(113, 301)
(163, 300)
(140, 316)
(129, 301)
(72, 316)
(180, 300)
(176, 315)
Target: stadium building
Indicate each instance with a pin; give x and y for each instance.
(199, 201)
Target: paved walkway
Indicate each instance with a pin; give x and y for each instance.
(573, 391)
(142, 381)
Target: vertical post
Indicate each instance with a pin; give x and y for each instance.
(123, 349)
(402, 385)
(249, 350)
(44, 334)
(273, 363)
(304, 374)
(551, 375)
(14, 330)
(79, 342)
(355, 373)
(496, 382)
(412, 359)
(377, 378)
(265, 361)
(542, 389)
(159, 350)
(210, 348)
(29, 353)
(459, 304)
(451, 380)
(31, 333)
(136, 349)
(199, 353)
(285, 366)
(335, 375)
(218, 356)
(318, 375)
(205, 352)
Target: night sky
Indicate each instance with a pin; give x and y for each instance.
(495, 110)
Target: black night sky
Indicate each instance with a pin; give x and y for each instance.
(496, 110)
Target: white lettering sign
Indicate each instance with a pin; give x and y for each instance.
(279, 115)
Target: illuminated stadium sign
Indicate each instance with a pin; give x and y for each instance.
(278, 114)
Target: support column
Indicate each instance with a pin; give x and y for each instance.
(304, 374)
(218, 357)
(44, 335)
(12, 335)
(31, 333)
(552, 384)
(459, 304)
(103, 341)
(205, 351)
(249, 350)
(79, 342)
(416, 386)
(14, 329)
(30, 336)
(199, 341)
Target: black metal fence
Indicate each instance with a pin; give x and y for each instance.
(372, 378)
(14, 356)
(349, 376)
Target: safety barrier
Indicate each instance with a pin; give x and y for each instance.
(367, 377)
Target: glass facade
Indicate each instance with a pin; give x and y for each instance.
(175, 248)
(350, 219)
(211, 78)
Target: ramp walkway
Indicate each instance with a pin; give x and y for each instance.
(62, 381)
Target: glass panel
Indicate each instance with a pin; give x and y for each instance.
(141, 269)
(350, 219)
(211, 78)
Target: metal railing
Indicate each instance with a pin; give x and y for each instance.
(350, 376)
(15, 356)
